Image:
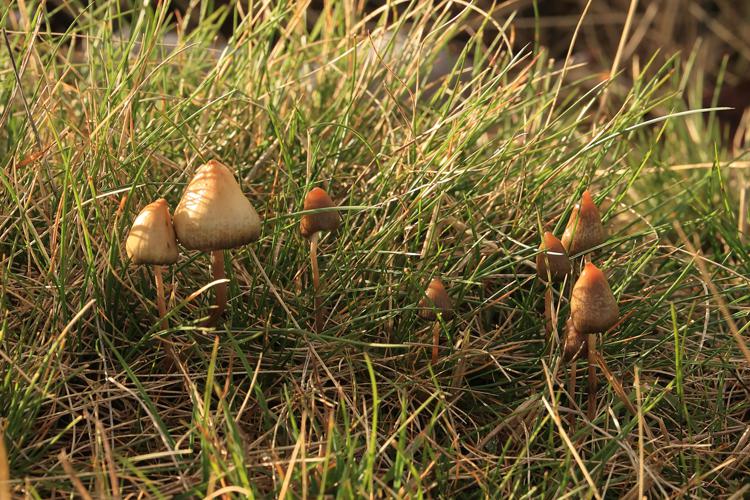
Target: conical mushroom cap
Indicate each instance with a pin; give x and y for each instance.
(151, 239)
(584, 230)
(322, 221)
(575, 343)
(552, 261)
(436, 298)
(592, 305)
(213, 213)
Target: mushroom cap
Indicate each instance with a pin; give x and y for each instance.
(584, 230)
(321, 221)
(436, 300)
(593, 308)
(152, 239)
(552, 261)
(213, 213)
(575, 343)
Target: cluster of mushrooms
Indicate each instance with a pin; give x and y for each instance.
(593, 307)
(214, 215)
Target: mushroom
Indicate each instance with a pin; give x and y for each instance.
(552, 265)
(584, 230)
(436, 304)
(212, 216)
(310, 227)
(152, 241)
(593, 309)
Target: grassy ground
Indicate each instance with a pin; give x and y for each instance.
(449, 173)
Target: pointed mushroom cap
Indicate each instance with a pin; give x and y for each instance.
(436, 299)
(552, 261)
(584, 230)
(151, 239)
(322, 221)
(213, 213)
(575, 343)
(593, 308)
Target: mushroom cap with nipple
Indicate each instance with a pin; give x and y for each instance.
(584, 230)
(213, 213)
(552, 261)
(329, 220)
(152, 238)
(436, 299)
(593, 307)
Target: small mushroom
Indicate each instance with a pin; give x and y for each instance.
(552, 265)
(552, 262)
(212, 216)
(436, 304)
(152, 241)
(310, 227)
(593, 309)
(584, 230)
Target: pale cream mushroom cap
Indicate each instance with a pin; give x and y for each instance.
(214, 213)
(152, 238)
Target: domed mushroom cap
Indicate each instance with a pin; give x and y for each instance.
(584, 230)
(552, 261)
(151, 239)
(593, 308)
(436, 299)
(322, 221)
(575, 343)
(213, 213)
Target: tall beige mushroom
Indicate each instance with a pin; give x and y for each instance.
(310, 227)
(152, 241)
(436, 304)
(212, 216)
(584, 230)
(593, 309)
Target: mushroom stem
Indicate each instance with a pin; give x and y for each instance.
(160, 304)
(316, 281)
(217, 268)
(548, 316)
(592, 376)
(435, 341)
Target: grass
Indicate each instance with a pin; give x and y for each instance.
(450, 174)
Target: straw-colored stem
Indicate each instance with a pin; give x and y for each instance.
(316, 282)
(592, 376)
(221, 289)
(160, 303)
(435, 341)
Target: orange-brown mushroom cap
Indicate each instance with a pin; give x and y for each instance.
(152, 238)
(593, 307)
(584, 230)
(552, 261)
(436, 300)
(329, 220)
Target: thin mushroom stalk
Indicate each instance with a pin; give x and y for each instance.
(314, 239)
(310, 227)
(435, 306)
(593, 310)
(221, 290)
(573, 347)
(214, 215)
